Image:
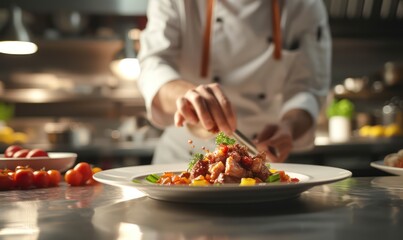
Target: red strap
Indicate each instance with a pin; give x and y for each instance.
(276, 19)
(206, 39)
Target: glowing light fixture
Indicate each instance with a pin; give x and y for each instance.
(15, 38)
(125, 65)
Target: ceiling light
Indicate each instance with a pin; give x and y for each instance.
(15, 37)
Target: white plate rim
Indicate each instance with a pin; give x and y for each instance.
(380, 164)
(122, 177)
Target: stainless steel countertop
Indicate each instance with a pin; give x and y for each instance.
(356, 208)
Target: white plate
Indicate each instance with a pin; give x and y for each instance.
(309, 175)
(381, 166)
(56, 161)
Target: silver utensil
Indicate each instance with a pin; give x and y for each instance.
(242, 139)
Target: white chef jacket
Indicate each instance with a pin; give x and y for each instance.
(260, 88)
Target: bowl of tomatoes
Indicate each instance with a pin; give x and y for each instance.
(36, 159)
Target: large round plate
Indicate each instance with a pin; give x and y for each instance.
(381, 166)
(309, 175)
(57, 161)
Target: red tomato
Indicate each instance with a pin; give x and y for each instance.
(85, 170)
(21, 153)
(11, 150)
(73, 177)
(37, 153)
(41, 179)
(94, 170)
(11, 174)
(6, 182)
(54, 178)
(24, 178)
(24, 167)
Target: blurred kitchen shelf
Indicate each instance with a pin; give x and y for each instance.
(49, 96)
(374, 96)
(118, 7)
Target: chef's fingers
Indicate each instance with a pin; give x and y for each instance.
(186, 111)
(215, 109)
(200, 107)
(179, 120)
(225, 105)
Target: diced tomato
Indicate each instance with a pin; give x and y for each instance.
(247, 161)
(294, 180)
(224, 149)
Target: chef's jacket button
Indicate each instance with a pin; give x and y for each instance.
(216, 79)
(262, 96)
(269, 39)
(219, 20)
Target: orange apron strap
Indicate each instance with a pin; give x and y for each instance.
(206, 39)
(276, 21)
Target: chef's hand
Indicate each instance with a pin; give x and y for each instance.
(208, 105)
(276, 140)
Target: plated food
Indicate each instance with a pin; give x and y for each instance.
(229, 163)
(226, 175)
(394, 159)
(392, 163)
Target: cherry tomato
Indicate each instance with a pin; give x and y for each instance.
(11, 174)
(85, 170)
(24, 167)
(94, 170)
(24, 178)
(11, 150)
(73, 177)
(6, 182)
(37, 153)
(21, 153)
(41, 179)
(54, 178)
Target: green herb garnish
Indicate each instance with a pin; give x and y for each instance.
(152, 178)
(196, 157)
(224, 139)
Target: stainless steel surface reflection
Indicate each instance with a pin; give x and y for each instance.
(356, 208)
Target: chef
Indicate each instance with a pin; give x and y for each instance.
(259, 66)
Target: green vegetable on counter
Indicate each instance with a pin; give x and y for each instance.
(343, 108)
(224, 139)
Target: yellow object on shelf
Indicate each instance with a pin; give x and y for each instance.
(9, 136)
(391, 130)
(376, 131)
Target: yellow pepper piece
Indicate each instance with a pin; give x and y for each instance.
(247, 182)
(199, 182)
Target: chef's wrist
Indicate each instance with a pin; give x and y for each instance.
(165, 99)
(298, 122)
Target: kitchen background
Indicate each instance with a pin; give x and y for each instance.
(72, 96)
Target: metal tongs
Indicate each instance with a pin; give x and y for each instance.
(242, 139)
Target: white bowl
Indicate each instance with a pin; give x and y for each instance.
(56, 161)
